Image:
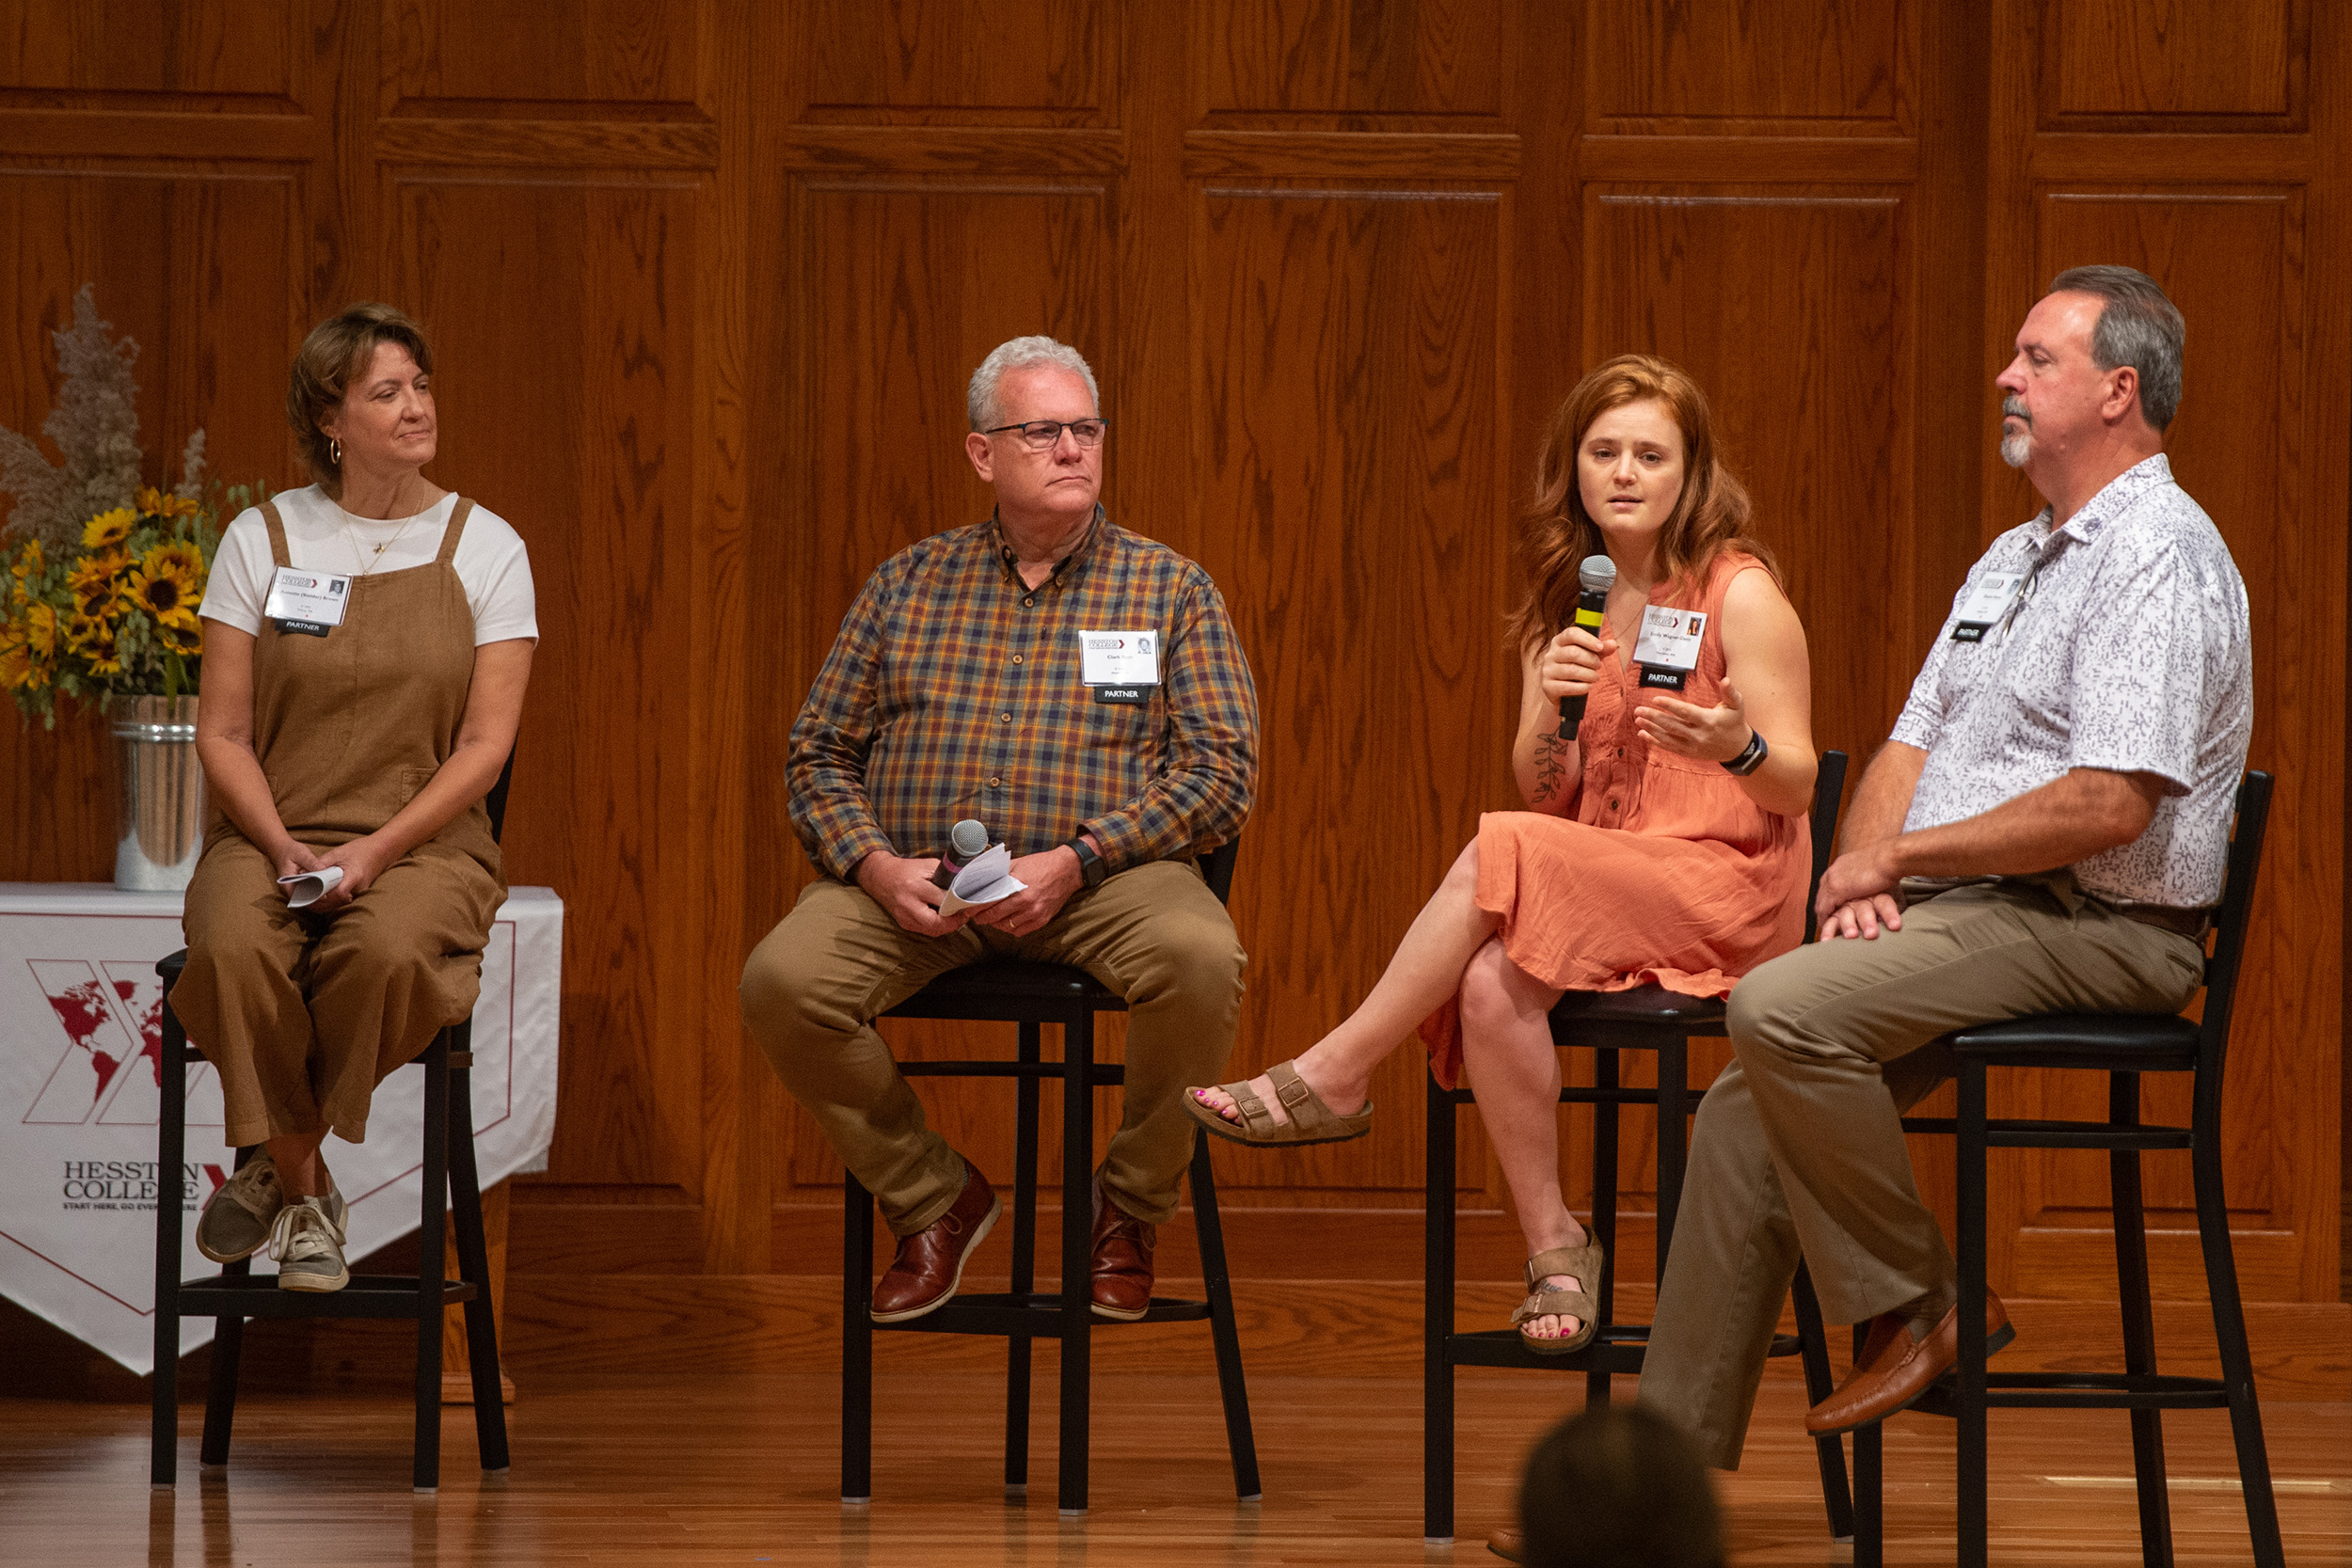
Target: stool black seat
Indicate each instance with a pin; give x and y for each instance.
(2124, 1046)
(451, 1186)
(1645, 1018)
(1033, 995)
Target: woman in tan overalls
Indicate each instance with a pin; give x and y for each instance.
(370, 749)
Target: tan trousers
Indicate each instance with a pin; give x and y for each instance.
(1799, 1146)
(304, 1014)
(1154, 934)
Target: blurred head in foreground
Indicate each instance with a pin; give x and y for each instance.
(1618, 1487)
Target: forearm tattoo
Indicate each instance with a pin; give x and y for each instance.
(1551, 765)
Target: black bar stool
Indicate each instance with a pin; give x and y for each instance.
(1646, 1017)
(233, 1294)
(2123, 1046)
(1033, 995)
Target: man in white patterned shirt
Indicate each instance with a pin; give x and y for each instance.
(2044, 831)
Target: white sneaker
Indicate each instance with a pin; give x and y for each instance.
(307, 1244)
(237, 1219)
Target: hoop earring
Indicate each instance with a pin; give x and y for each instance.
(334, 451)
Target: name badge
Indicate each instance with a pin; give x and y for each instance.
(306, 602)
(1118, 659)
(1668, 648)
(1987, 605)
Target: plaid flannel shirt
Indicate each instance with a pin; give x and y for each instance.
(955, 691)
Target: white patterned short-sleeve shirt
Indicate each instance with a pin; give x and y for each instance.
(2127, 648)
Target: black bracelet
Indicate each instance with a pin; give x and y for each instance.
(1752, 758)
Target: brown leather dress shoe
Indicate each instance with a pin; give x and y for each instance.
(930, 1265)
(1122, 1254)
(1507, 1544)
(1903, 1370)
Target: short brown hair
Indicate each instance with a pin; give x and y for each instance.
(338, 349)
(2138, 325)
(1709, 517)
(1618, 1486)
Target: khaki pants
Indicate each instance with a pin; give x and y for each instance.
(304, 1014)
(1799, 1146)
(1154, 934)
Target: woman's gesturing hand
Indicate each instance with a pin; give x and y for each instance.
(1702, 734)
(1571, 663)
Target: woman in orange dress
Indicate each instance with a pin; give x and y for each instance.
(1667, 844)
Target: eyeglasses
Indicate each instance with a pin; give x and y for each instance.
(1044, 435)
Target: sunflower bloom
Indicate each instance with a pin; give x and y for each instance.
(31, 563)
(18, 670)
(177, 555)
(166, 591)
(40, 631)
(108, 529)
(89, 635)
(92, 582)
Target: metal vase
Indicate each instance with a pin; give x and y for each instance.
(159, 792)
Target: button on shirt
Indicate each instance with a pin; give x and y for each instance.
(2127, 649)
(955, 690)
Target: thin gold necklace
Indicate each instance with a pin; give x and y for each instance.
(369, 562)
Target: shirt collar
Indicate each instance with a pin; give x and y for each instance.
(2113, 498)
(1065, 570)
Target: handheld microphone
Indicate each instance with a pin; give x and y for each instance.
(966, 841)
(1596, 575)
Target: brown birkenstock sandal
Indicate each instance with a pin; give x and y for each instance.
(1310, 1120)
(1582, 1262)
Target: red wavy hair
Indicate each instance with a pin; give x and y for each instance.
(1555, 535)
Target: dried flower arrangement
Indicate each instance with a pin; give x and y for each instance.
(104, 574)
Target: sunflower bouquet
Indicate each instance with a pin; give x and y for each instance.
(116, 615)
(104, 573)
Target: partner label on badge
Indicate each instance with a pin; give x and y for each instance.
(306, 602)
(1120, 657)
(1987, 605)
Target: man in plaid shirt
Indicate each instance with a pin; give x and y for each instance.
(958, 688)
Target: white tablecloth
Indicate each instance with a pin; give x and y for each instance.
(80, 1039)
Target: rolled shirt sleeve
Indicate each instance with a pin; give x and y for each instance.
(825, 770)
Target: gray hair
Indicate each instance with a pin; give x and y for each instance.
(1019, 354)
(2137, 326)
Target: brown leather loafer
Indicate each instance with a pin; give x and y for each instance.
(1122, 1255)
(1889, 1337)
(1903, 1370)
(930, 1265)
(1507, 1544)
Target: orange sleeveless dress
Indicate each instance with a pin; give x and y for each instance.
(1666, 874)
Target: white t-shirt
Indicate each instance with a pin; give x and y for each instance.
(491, 562)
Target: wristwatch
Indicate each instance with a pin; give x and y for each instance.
(1091, 867)
(1751, 759)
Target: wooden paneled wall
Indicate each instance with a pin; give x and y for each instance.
(706, 279)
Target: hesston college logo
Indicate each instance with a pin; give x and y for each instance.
(109, 1072)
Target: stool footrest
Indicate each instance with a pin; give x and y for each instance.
(1036, 1316)
(2083, 1391)
(1050, 1072)
(368, 1295)
(1620, 1348)
(2011, 1134)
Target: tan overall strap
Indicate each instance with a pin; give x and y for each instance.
(448, 536)
(276, 526)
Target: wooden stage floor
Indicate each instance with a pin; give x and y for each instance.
(738, 1470)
